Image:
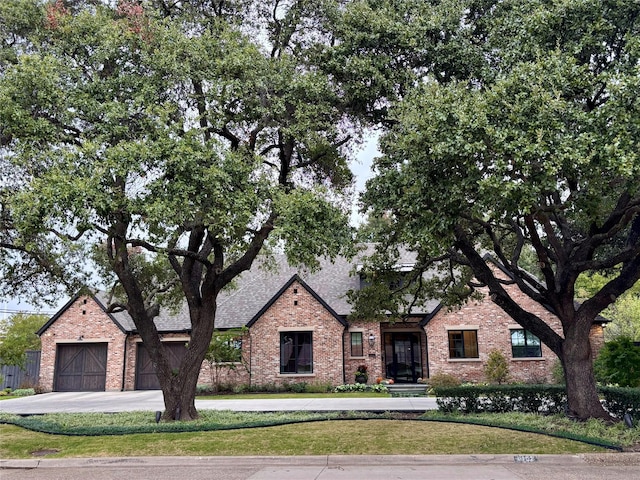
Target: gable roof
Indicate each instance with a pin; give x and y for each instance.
(256, 289)
(296, 278)
(73, 300)
(167, 321)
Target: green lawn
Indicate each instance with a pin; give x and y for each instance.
(348, 437)
(331, 433)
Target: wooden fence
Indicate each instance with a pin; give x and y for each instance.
(13, 377)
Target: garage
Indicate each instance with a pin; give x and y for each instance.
(81, 367)
(146, 378)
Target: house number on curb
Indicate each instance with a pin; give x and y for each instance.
(525, 458)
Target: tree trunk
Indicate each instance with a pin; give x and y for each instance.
(179, 393)
(179, 388)
(583, 401)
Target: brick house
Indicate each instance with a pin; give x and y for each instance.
(297, 331)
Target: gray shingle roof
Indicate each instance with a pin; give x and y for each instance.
(167, 321)
(253, 289)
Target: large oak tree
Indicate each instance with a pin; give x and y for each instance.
(169, 143)
(534, 149)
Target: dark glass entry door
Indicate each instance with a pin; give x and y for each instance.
(403, 356)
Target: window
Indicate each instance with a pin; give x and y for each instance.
(296, 352)
(356, 344)
(525, 344)
(463, 344)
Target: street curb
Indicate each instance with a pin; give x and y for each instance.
(324, 460)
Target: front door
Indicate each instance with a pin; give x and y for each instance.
(403, 356)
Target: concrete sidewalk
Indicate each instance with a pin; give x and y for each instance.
(333, 467)
(151, 400)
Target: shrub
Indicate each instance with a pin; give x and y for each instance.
(319, 387)
(548, 399)
(497, 368)
(619, 400)
(361, 387)
(440, 380)
(619, 363)
(240, 388)
(23, 392)
(557, 372)
(300, 387)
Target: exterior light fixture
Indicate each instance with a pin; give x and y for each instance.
(372, 340)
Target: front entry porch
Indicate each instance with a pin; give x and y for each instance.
(403, 356)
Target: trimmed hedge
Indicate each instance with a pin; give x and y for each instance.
(546, 399)
(621, 400)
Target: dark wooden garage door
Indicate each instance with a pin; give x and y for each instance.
(81, 367)
(146, 378)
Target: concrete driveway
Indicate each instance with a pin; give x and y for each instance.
(151, 400)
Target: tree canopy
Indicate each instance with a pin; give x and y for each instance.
(624, 313)
(168, 144)
(17, 335)
(534, 148)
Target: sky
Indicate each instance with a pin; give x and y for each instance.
(361, 169)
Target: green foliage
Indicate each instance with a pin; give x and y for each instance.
(511, 149)
(361, 373)
(592, 431)
(557, 372)
(441, 380)
(319, 387)
(17, 335)
(619, 401)
(178, 142)
(361, 387)
(538, 399)
(623, 315)
(224, 353)
(549, 399)
(619, 363)
(144, 422)
(625, 318)
(23, 392)
(497, 368)
(225, 347)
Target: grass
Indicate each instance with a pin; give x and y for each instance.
(328, 433)
(348, 437)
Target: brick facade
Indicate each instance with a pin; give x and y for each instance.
(296, 310)
(494, 327)
(83, 322)
(371, 351)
